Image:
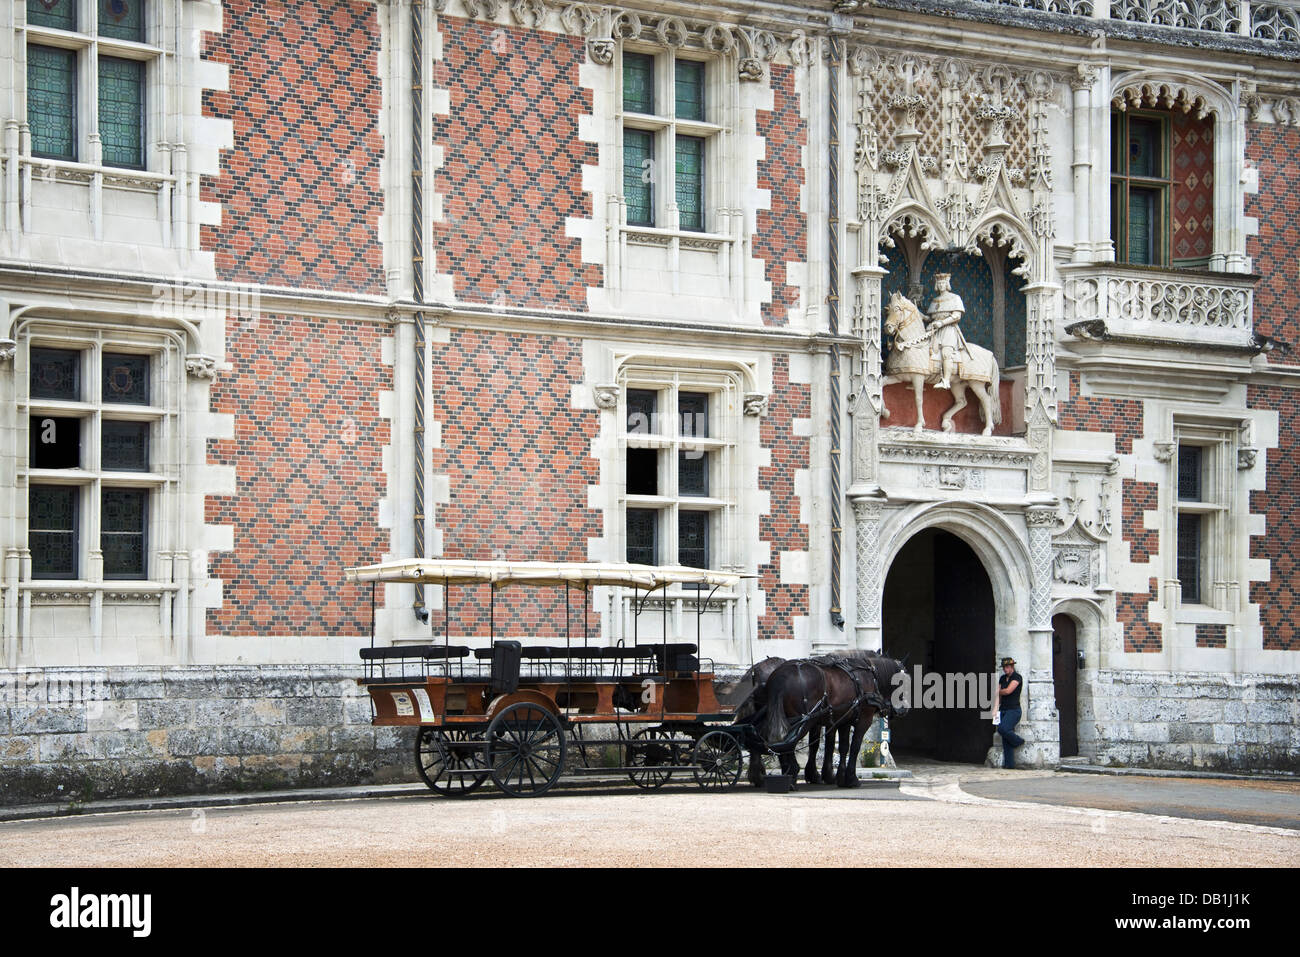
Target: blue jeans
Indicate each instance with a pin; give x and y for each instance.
(1010, 740)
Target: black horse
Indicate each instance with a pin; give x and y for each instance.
(748, 695)
(838, 694)
(861, 685)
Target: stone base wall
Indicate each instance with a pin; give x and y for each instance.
(88, 734)
(1191, 720)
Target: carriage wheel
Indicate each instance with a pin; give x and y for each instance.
(652, 753)
(449, 760)
(525, 750)
(719, 760)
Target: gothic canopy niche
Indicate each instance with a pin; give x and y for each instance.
(957, 151)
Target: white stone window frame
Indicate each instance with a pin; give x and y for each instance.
(664, 124)
(167, 353)
(1174, 92)
(89, 46)
(723, 443)
(1220, 552)
(172, 40)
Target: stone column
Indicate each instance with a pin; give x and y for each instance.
(1081, 84)
(1041, 720)
(871, 573)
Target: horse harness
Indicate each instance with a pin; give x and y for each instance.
(871, 697)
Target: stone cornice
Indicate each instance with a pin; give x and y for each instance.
(54, 291)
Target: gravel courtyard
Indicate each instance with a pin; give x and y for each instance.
(932, 820)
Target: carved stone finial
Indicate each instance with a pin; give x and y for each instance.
(201, 366)
(755, 404)
(606, 396)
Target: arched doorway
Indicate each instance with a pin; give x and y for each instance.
(939, 609)
(1065, 679)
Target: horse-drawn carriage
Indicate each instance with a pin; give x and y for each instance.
(513, 712)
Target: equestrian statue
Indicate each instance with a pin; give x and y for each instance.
(936, 353)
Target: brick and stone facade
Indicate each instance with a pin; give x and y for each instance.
(298, 223)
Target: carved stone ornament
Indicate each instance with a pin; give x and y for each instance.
(755, 403)
(201, 366)
(8, 347)
(601, 51)
(1164, 451)
(1246, 458)
(606, 396)
(751, 68)
(1041, 518)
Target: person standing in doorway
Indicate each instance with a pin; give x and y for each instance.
(1009, 707)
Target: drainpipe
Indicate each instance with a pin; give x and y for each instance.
(833, 313)
(417, 273)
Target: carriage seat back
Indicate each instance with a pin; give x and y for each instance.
(505, 666)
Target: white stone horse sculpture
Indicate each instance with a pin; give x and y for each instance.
(910, 360)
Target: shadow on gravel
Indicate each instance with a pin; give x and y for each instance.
(1268, 803)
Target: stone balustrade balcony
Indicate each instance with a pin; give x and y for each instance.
(1178, 306)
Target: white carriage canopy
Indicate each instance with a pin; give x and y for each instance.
(440, 571)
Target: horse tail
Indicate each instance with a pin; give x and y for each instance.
(777, 725)
(996, 387)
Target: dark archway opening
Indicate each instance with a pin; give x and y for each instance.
(938, 608)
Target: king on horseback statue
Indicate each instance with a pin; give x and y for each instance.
(947, 344)
(934, 352)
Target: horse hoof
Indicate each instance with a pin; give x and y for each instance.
(948, 426)
(812, 778)
(851, 781)
(918, 429)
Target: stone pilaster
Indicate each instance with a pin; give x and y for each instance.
(1041, 724)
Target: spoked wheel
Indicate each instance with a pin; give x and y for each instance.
(525, 750)
(719, 760)
(652, 754)
(450, 760)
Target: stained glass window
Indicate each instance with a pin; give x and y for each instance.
(121, 111)
(1189, 473)
(126, 378)
(121, 19)
(693, 539)
(125, 446)
(52, 101)
(61, 14)
(638, 176)
(692, 472)
(56, 374)
(692, 461)
(638, 83)
(690, 182)
(693, 410)
(122, 531)
(1189, 557)
(52, 530)
(689, 89)
(642, 535)
(641, 405)
(55, 442)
